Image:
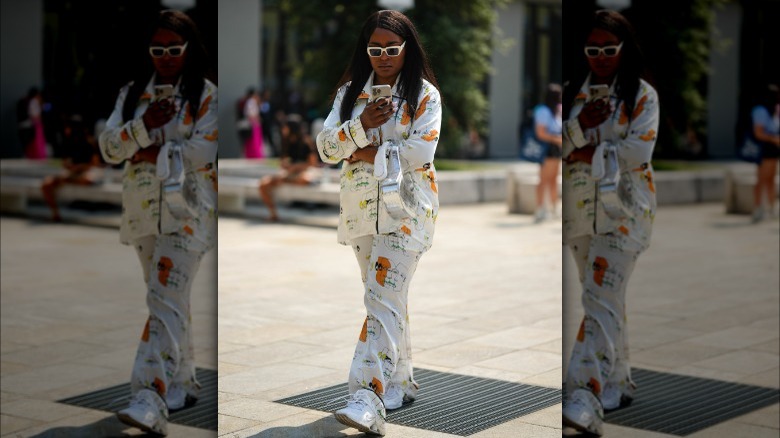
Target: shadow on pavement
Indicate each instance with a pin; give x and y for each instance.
(108, 427)
(326, 427)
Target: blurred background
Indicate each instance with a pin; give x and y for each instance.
(493, 60)
(707, 58)
(78, 54)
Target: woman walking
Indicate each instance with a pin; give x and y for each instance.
(164, 120)
(611, 122)
(387, 248)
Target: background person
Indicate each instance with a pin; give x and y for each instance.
(169, 247)
(35, 149)
(765, 130)
(388, 51)
(299, 158)
(253, 146)
(82, 158)
(547, 128)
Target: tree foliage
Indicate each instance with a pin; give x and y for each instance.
(678, 47)
(457, 35)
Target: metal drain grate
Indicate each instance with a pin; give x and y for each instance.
(202, 415)
(449, 403)
(681, 405)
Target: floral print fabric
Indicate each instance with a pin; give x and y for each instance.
(600, 360)
(164, 361)
(635, 139)
(144, 212)
(383, 353)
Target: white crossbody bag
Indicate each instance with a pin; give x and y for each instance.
(609, 184)
(395, 188)
(177, 194)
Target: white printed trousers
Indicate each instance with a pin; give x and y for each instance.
(600, 360)
(383, 353)
(164, 361)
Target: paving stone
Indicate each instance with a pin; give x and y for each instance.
(452, 301)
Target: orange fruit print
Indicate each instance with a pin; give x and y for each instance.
(364, 331)
(376, 385)
(581, 333)
(159, 385)
(381, 266)
(594, 385)
(600, 266)
(145, 335)
(164, 270)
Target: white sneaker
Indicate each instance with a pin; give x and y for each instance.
(365, 412)
(147, 411)
(177, 397)
(540, 216)
(583, 412)
(617, 397)
(395, 397)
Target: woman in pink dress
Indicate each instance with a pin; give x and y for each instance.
(36, 148)
(253, 148)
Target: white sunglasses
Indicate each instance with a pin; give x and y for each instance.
(376, 52)
(608, 51)
(174, 51)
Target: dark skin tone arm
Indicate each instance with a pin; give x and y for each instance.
(156, 115)
(592, 115)
(374, 115)
(299, 167)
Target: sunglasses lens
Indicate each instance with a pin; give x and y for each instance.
(174, 51)
(393, 51)
(592, 51)
(610, 51)
(157, 51)
(375, 52)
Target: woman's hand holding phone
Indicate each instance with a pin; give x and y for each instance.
(594, 113)
(376, 113)
(158, 113)
(162, 109)
(597, 109)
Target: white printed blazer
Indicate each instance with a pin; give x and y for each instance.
(143, 211)
(362, 212)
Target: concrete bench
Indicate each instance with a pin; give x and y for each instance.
(16, 192)
(689, 187)
(234, 192)
(521, 182)
(739, 183)
(471, 187)
(455, 187)
(41, 169)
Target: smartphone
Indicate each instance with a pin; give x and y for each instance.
(163, 92)
(380, 92)
(598, 92)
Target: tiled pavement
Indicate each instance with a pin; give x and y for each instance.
(485, 301)
(703, 301)
(73, 308)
